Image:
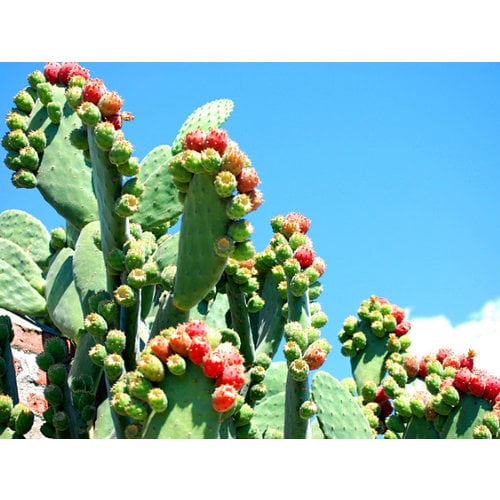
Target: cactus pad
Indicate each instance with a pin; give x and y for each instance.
(339, 416)
(211, 115)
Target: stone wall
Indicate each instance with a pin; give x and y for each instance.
(27, 343)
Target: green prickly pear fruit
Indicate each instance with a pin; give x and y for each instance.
(418, 403)
(157, 400)
(55, 112)
(96, 325)
(391, 387)
(98, 354)
(44, 92)
(108, 309)
(433, 383)
(57, 374)
(60, 421)
(44, 360)
(210, 160)
(29, 158)
(89, 113)
(138, 385)
(238, 206)
(119, 402)
(491, 420)
(263, 359)
(130, 167)
(308, 409)
(257, 374)
(125, 296)
(151, 367)
(126, 205)
(137, 278)
(74, 97)
(299, 284)
(402, 406)
(299, 370)
(16, 120)
(53, 394)
(37, 140)
(481, 431)
(17, 139)
(292, 351)
(114, 367)
(257, 391)
(398, 373)
(57, 348)
(244, 415)
(225, 184)
(395, 423)
(21, 419)
(369, 391)
(58, 238)
(115, 341)
(176, 364)
(440, 406)
(6, 406)
(24, 101)
(134, 186)
(450, 395)
(24, 179)
(88, 413)
(120, 152)
(105, 135)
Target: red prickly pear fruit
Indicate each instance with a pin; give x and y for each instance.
(198, 348)
(180, 341)
(64, 72)
(451, 360)
(234, 159)
(467, 360)
(443, 353)
(305, 256)
(477, 383)
(217, 139)
(461, 380)
(256, 198)
(213, 364)
(195, 140)
(398, 313)
(230, 353)
(247, 179)
(110, 104)
(315, 356)
(232, 375)
(51, 72)
(80, 75)
(223, 398)
(160, 346)
(115, 120)
(196, 327)
(402, 328)
(492, 389)
(93, 90)
(294, 222)
(386, 408)
(411, 365)
(381, 395)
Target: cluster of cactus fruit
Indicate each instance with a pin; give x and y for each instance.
(193, 333)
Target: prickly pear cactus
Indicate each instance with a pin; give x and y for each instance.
(192, 333)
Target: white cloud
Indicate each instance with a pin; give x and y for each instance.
(481, 333)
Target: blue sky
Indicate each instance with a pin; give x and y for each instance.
(396, 164)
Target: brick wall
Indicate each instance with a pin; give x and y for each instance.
(28, 342)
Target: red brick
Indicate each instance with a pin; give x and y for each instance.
(27, 340)
(37, 404)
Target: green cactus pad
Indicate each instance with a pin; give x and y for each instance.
(166, 253)
(339, 416)
(159, 203)
(28, 232)
(211, 115)
(104, 427)
(270, 413)
(88, 265)
(17, 295)
(270, 319)
(63, 300)
(64, 175)
(369, 363)
(189, 414)
(17, 257)
(199, 268)
(464, 417)
(420, 428)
